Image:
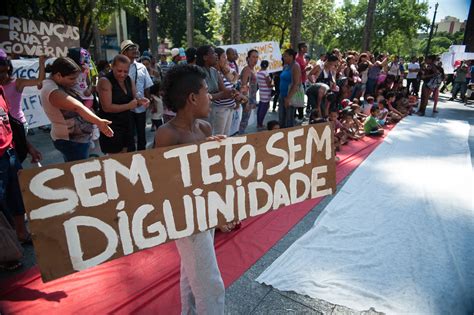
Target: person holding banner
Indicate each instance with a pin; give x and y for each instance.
(71, 121)
(186, 93)
(118, 95)
(14, 87)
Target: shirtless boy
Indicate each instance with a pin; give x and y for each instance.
(186, 93)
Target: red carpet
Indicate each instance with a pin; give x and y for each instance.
(148, 281)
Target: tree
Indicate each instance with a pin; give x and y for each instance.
(296, 17)
(81, 13)
(172, 17)
(235, 22)
(369, 22)
(348, 29)
(319, 18)
(189, 23)
(152, 26)
(391, 19)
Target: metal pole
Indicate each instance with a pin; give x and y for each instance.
(427, 51)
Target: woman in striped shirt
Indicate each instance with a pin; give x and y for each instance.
(265, 92)
(223, 109)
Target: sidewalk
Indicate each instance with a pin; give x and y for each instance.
(246, 296)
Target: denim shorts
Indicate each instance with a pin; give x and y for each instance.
(71, 150)
(10, 194)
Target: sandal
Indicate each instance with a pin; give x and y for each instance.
(435, 111)
(11, 265)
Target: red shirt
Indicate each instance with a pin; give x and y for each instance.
(302, 62)
(6, 136)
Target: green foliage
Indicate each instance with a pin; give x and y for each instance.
(172, 21)
(396, 24)
(319, 17)
(83, 13)
(271, 20)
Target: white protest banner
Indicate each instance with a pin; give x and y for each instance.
(455, 53)
(88, 212)
(35, 38)
(30, 98)
(269, 51)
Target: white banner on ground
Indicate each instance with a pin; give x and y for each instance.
(269, 51)
(30, 98)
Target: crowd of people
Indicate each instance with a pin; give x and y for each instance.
(202, 94)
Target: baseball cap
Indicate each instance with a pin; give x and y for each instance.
(346, 102)
(174, 52)
(127, 44)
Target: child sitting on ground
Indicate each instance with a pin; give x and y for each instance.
(350, 127)
(358, 116)
(340, 137)
(367, 106)
(382, 113)
(394, 114)
(273, 124)
(371, 125)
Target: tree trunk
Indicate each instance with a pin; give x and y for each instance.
(369, 25)
(152, 26)
(97, 43)
(235, 22)
(282, 36)
(189, 23)
(296, 18)
(469, 31)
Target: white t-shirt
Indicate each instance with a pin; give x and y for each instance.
(159, 108)
(139, 74)
(394, 69)
(412, 66)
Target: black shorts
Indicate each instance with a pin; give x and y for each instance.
(118, 142)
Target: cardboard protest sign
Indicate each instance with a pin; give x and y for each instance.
(35, 38)
(269, 51)
(30, 98)
(85, 213)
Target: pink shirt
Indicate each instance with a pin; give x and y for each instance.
(14, 101)
(302, 62)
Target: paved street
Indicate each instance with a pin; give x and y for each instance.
(246, 296)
